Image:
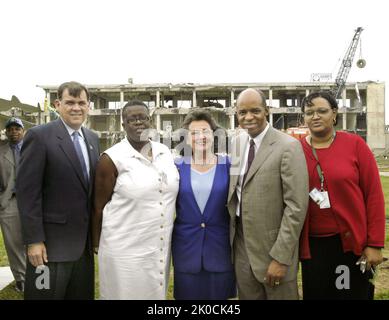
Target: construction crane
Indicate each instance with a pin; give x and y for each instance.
(345, 67)
(340, 81)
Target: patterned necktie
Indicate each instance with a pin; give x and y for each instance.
(250, 159)
(77, 146)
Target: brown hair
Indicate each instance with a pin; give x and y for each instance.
(219, 133)
(74, 88)
(198, 115)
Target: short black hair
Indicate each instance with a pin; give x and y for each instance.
(74, 88)
(307, 101)
(133, 103)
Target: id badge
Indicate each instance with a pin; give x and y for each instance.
(316, 196)
(325, 204)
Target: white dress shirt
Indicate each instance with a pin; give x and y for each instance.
(84, 148)
(257, 140)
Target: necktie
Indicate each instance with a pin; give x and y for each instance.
(77, 146)
(16, 152)
(250, 159)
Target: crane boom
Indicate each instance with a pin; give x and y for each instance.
(345, 67)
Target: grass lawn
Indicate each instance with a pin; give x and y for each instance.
(382, 280)
(383, 164)
(385, 187)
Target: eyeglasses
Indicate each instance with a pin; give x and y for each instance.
(142, 119)
(320, 112)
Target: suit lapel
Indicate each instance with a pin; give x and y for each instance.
(186, 176)
(217, 177)
(238, 147)
(92, 155)
(66, 144)
(264, 151)
(8, 155)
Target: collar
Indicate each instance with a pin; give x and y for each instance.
(157, 149)
(16, 145)
(258, 139)
(71, 130)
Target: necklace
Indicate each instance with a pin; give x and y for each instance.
(329, 141)
(200, 161)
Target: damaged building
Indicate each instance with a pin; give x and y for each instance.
(361, 107)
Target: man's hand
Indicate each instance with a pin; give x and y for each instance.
(37, 254)
(275, 273)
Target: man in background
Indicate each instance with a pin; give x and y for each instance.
(9, 215)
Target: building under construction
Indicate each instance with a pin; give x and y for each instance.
(361, 107)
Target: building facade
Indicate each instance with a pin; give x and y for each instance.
(361, 107)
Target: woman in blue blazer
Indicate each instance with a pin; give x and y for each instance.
(200, 245)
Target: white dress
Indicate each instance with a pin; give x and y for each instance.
(134, 249)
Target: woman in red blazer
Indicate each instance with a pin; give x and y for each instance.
(344, 231)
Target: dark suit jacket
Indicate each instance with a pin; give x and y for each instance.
(54, 201)
(202, 240)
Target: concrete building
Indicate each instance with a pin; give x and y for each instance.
(361, 108)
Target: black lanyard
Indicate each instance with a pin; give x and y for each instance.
(319, 170)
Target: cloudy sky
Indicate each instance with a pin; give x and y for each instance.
(201, 41)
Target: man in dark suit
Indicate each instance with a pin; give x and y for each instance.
(54, 192)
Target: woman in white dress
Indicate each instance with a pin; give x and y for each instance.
(135, 193)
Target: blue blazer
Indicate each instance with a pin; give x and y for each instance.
(202, 240)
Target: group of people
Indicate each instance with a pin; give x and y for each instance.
(234, 225)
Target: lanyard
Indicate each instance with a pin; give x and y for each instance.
(318, 168)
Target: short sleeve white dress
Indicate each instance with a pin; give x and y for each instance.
(134, 249)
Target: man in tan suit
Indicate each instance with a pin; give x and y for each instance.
(268, 212)
(9, 215)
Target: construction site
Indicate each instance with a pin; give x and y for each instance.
(361, 107)
(361, 104)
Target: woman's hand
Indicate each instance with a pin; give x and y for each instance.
(373, 257)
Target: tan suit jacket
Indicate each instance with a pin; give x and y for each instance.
(7, 176)
(275, 200)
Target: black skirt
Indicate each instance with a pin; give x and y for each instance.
(332, 274)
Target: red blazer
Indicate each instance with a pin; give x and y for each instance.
(354, 187)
